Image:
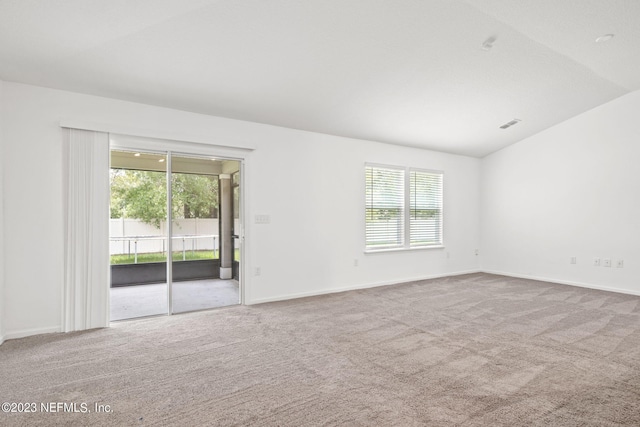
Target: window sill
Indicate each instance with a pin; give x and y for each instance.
(415, 248)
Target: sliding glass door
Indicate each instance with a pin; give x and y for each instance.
(180, 208)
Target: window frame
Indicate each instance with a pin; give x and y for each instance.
(406, 237)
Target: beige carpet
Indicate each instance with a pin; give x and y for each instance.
(474, 350)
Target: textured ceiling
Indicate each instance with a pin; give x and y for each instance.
(408, 72)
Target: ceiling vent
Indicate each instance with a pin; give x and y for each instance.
(509, 124)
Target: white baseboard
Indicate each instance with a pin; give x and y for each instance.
(564, 282)
(28, 332)
(354, 287)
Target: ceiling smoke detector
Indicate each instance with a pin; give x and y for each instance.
(509, 124)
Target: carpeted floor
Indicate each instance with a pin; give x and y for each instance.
(474, 350)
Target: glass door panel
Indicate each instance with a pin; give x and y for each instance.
(196, 234)
(137, 234)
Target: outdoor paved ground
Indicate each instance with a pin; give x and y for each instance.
(128, 302)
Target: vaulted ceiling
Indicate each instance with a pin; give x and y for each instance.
(408, 72)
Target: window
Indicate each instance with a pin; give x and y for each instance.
(403, 208)
(425, 193)
(385, 207)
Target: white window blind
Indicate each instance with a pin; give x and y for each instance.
(385, 213)
(403, 208)
(426, 208)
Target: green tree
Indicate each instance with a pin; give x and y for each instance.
(194, 196)
(142, 195)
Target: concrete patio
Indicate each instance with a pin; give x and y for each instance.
(128, 302)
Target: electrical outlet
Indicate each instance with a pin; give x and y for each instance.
(355, 262)
(620, 263)
(596, 262)
(573, 260)
(257, 271)
(606, 262)
(477, 252)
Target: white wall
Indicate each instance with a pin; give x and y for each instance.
(572, 190)
(2, 299)
(311, 185)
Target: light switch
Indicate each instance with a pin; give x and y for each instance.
(262, 219)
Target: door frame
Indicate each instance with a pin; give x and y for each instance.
(172, 147)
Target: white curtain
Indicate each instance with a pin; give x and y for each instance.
(86, 281)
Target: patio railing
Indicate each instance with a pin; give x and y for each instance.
(184, 238)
